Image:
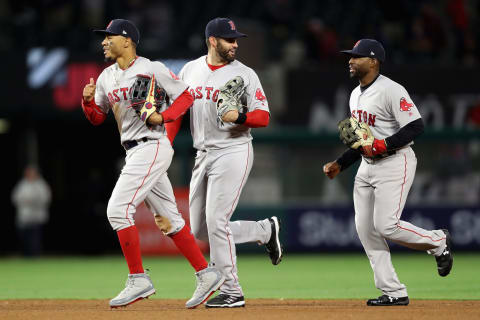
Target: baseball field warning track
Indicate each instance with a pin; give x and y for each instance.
(255, 309)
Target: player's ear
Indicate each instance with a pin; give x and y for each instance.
(212, 41)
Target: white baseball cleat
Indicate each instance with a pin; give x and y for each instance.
(209, 280)
(138, 286)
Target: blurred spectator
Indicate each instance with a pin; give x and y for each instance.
(473, 116)
(31, 197)
(321, 40)
(415, 31)
(428, 39)
(459, 22)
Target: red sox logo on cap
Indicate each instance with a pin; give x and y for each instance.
(404, 105)
(232, 25)
(109, 24)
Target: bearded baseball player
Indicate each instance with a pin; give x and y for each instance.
(383, 124)
(229, 101)
(135, 88)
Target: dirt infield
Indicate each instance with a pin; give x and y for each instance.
(255, 309)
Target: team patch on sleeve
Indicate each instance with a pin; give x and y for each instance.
(405, 105)
(259, 95)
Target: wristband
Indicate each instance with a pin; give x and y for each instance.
(242, 117)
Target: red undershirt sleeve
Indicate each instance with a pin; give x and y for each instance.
(93, 112)
(178, 107)
(257, 119)
(172, 128)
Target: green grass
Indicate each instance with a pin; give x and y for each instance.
(320, 276)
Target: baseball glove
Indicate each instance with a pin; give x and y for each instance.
(147, 96)
(355, 134)
(230, 97)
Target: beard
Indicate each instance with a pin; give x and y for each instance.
(357, 74)
(224, 53)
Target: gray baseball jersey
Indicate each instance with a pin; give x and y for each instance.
(144, 176)
(222, 166)
(204, 86)
(381, 185)
(112, 92)
(385, 106)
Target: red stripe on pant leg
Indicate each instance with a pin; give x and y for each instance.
(400, 203)
(398, 225)
(143, 181)
(403, 184)
(231, 211)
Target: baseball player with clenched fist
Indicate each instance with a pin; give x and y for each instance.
(384, 122)
(135, 88)
(229, 101)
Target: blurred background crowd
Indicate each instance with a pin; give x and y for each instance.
(433, 49)
(444, 31)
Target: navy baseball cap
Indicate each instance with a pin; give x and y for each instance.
(367, 48)
(222, 28)
(121, 27)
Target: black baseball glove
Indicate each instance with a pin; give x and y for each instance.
(147, 96)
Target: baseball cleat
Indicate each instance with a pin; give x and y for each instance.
(385, 300)
(138, 286)
(209, 280)
(225, 301)
(273, 246)
(445, 260)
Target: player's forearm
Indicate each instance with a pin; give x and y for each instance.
(178, 107)
(93, 112)
(173, 128)
(254, 119)
(349, 157)
(405, 135)
(175, 111)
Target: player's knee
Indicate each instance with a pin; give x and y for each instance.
(168, 226)
(117, 217)
(386, 230)
(163, 224)
(362, 231)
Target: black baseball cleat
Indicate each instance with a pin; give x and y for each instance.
(445, 260)
(385, 300)
(273, 246)
(225, 301)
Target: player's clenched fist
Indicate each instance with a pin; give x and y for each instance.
(331, 169)
(89, 91)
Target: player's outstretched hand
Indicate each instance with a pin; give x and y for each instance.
(89, 91)
(331, 169)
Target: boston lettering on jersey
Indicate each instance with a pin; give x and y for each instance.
(117, 94)
(198, 93)
(364, 116)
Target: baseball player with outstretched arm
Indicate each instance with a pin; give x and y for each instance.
(384, 108)
(224, 154)
(148, 156)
